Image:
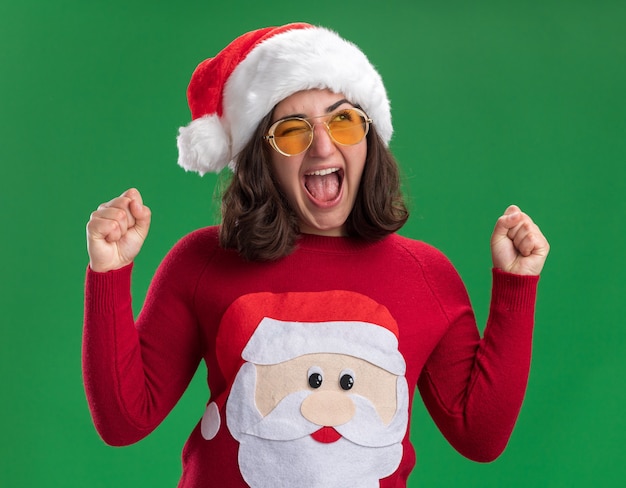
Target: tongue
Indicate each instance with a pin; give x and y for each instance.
(323, 188)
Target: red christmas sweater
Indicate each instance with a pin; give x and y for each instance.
(312, 359)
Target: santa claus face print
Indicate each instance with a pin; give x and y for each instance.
(320, 184)
(299, 424)
(319, 396)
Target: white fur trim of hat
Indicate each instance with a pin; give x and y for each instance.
(230, 94)
(275, 341)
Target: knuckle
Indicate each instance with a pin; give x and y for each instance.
(119, 215)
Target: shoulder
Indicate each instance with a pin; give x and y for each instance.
(206, 236)
(199, 245)
(426, 255)
(434, 266)
(435, 269)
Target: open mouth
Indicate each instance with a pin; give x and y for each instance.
(326, 435)
(324, 186)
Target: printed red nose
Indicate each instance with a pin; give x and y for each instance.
(326, 435)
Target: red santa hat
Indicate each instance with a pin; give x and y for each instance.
(231, 93)
(268, 328)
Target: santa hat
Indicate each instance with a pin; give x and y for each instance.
(267, 328)
(231, 93)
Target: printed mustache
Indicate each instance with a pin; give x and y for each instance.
(285, 422)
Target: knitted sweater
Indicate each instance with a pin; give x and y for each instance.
(418, 329)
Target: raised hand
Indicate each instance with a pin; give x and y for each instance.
(116, 231)
(517, 244)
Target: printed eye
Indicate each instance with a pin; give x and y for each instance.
(346, 379)
(315, 377)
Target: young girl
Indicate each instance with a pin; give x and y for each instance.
(315, 319)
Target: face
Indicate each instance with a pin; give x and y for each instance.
(320, 184)
(275, 382)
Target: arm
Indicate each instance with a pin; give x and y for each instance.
(473, 387)
(134, 373)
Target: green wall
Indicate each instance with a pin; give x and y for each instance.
(494, 103)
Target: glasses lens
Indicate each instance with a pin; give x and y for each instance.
(293, 136)
(348, 127)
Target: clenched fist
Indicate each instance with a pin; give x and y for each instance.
(517, 244)
(116, 231)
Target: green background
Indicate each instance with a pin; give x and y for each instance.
(494, 102)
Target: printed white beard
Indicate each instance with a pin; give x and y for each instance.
(278, 450)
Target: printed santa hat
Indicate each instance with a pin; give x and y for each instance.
(230, 94)
(268, 328)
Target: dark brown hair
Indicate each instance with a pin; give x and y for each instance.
(260, 224)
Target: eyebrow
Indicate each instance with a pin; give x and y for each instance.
(329, 109)
(336, 105)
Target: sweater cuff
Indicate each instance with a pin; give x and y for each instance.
(104, 292)
(512, 292)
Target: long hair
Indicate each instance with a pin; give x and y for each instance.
(259, 223)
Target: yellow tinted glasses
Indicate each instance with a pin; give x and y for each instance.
(294, 135)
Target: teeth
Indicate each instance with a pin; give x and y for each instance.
(323, 172)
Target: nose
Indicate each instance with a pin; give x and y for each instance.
(322, 145)
(328, 408)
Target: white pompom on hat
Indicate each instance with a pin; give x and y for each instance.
(230, 94)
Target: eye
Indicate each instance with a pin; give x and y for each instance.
(315, 377)
(291, 127)
(346, 379)
(343, 116)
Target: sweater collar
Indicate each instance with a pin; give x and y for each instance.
(313, 242)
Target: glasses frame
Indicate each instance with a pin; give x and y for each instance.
(270, 133)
